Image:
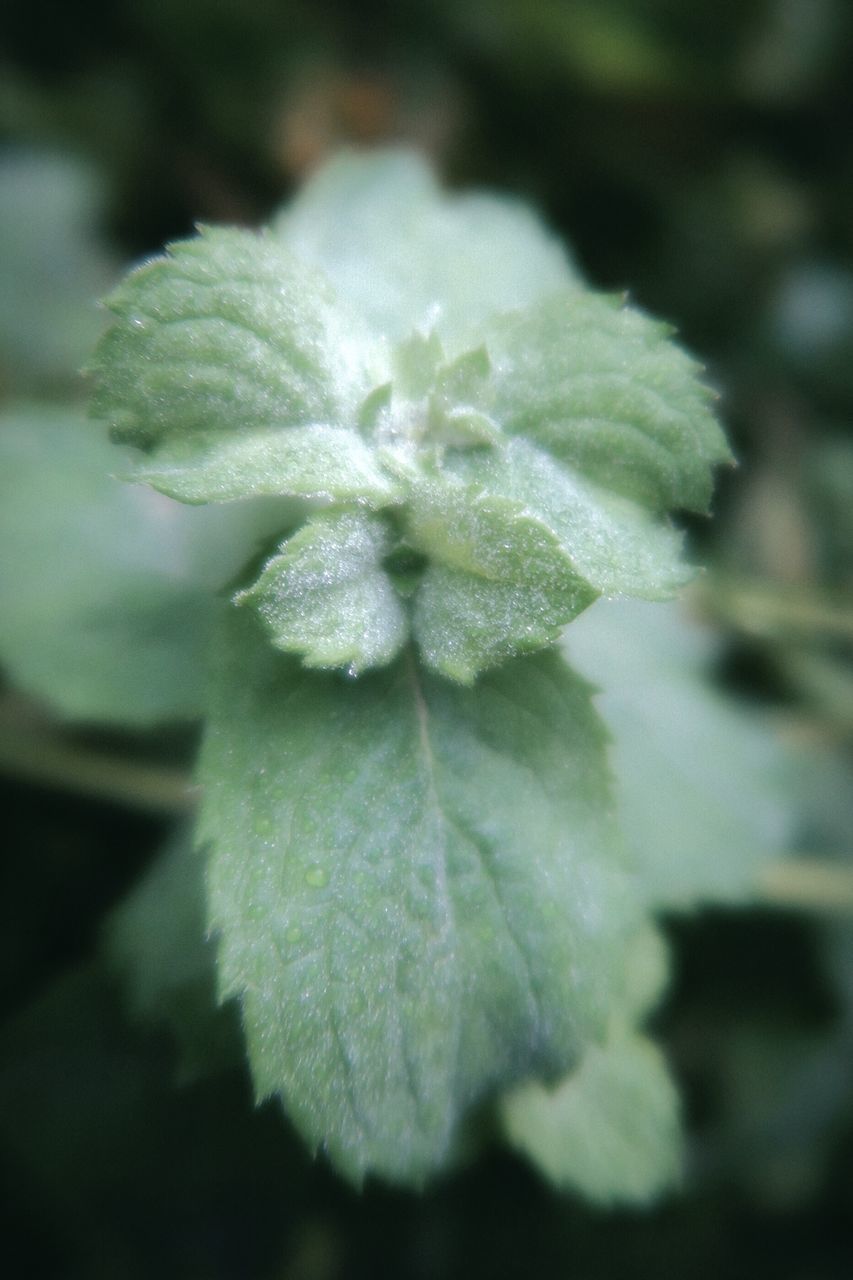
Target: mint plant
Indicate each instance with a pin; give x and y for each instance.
(422, 896)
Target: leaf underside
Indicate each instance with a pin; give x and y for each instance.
(610, 1130)
(408, 257)
(327, 464)
(704, 784)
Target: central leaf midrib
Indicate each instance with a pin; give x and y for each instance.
(422, 716)
(448, 821)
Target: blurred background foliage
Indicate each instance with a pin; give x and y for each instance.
(697, 155)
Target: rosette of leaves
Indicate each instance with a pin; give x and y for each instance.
(415, 872)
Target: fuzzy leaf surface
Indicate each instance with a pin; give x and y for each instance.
(518, 546)
(603, 388)
(499, 582)
(329, 464)
(416, 887)
(613, 543)
(227, 334)
(325, 594)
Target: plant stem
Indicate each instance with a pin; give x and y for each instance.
(764, 609)
(809, 884)
(38, 752)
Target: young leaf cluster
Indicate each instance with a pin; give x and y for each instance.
(516, 465)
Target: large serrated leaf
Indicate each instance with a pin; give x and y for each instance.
(416, 890)
(407, 256)
(228, 334)
(326, 595)
(602, 387)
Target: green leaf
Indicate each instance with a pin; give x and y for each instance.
(519, 550)
(459, 400)
(431, 403)
(613, 544)
(326, 596)
(155, 940)
(583, 1134)
(409, 257)
(414, 363)
(602, 387)
(316, 462)
(644, 979)
(416, 888)
(610, 1130)
(106, 590)
(228, 334)
(498, 583)
(52, 266)
(703, 783)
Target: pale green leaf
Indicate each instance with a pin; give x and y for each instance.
(613, 544)
(106, 590)
(53, 266)
(499, 582)
(432, 403)
(460, 400)
(414, 363)
(325, 595)
(228, 334)
(235, 360)
(610, 1130)
(416, 890)
(408, 256)
(644, 979)
(582, 1138)
(463, 381)
(315, 462)
(603, 388)
(704, 785)
(518, 550)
